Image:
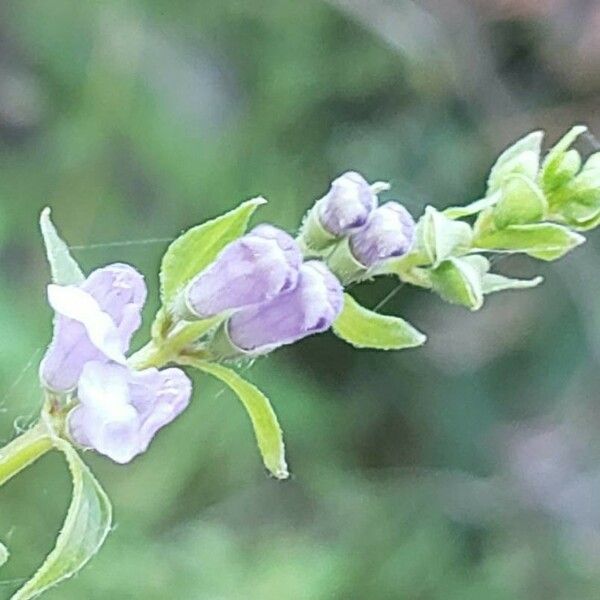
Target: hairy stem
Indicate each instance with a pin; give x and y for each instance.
(24, 450)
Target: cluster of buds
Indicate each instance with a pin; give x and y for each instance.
(267, 293)
(353, 234)
(571, 185)
(562, 188)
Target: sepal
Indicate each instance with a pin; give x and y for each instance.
(522, 158)
(439, 237)
(344, 265)
(458, 281)
(314, 239)
(474, 208)
(560, 162)
(545, 241)
(521, 202)
(491, 283)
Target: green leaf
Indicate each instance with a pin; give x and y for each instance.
(459, 212)
(264, 420)
(522, 201)
(364, 328)
(496, 283)
(86, 526)
(64, 268)
(546, 241)
(200, 245)
(3, 554)
(439, 237)
(523, 157)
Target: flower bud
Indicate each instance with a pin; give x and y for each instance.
(347, 205)
(389, 232)
(577, 200)
(250, 270)
(344, 209)
(311, 307)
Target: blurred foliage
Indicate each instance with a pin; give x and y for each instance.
(135, 120)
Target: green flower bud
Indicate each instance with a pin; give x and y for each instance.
(521, 201)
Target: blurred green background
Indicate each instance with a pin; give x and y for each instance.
(467, 469)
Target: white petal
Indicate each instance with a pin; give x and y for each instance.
(80, 306)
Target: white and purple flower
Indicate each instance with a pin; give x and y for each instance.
(120, 409)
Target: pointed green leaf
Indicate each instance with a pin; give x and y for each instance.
(496, 283)
(86, 526)
(458, 281)
(364, 328)
(546, 241)
(459, 212)
(264, 420)
(522, 201)
(439, 237)
(3, 554)
(64, 268)
(199, 246)
(522, 157)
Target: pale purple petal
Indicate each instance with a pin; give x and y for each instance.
(121, 410)
(121, 292)
(389, 232)
(253, 269)
(347, 205)
(105, 420)
(94, 321)
(311, 307)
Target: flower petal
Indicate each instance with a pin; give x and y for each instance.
(75, 304)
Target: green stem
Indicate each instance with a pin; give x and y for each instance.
(169, 349)
(23, 451)
(149, 356)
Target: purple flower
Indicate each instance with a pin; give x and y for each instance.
(347, 205)
(249, 271)
(94, 321)
(121, 410)
(311, 307)
(389, 232)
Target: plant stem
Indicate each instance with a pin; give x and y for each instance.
(23, 451)
(158, 353)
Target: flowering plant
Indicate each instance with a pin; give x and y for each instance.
(230, 295)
